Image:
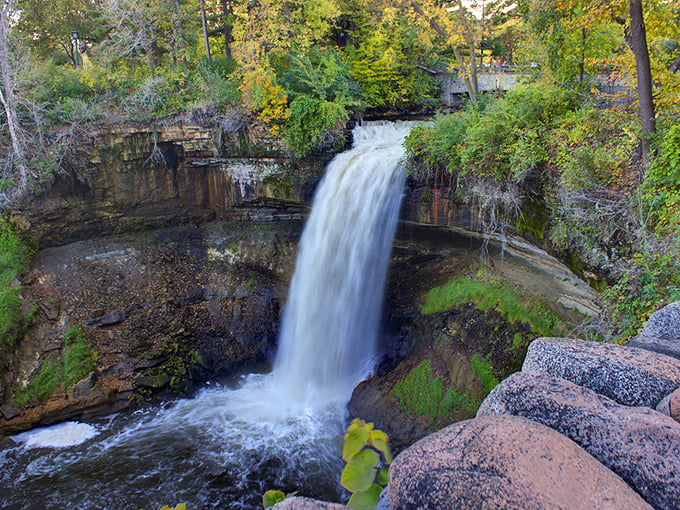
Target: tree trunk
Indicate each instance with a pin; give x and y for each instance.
(179, 36)
(474, 85)
(581, 66)
(204, 23)
(644, 76)
(227, 13)
(470, 79)
(7, 94)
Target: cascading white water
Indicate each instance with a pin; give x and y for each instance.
(278, 430)
(330, 322)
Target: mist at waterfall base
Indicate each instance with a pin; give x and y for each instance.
(280, 430)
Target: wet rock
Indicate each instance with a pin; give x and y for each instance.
(628, 375)
(669, 347)
(83, 388)
(300, 503)
(639, 444)
(372, 403)
(108, 319)
(143, 364)
(664, 323)
(504, 462)
(155, 382)
(9, 411)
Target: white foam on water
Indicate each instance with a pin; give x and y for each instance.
(62, 435)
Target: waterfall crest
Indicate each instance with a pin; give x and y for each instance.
(330, 323)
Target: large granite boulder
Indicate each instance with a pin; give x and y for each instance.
(669, 347)
(630, 376)
(664, 323)
(504, 462)
(637, 443)
(674, 405)
(300, 503)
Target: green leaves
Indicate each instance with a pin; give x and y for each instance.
(270, 498)
(366, 500)
(367, 452)
(360, 471)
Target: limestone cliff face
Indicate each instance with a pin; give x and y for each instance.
(129, 178)
(171, 247)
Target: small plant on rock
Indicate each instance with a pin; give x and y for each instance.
(368, 455)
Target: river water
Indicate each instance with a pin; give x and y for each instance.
(279, 430)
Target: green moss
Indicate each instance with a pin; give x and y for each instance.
(492, 294)
(484, 371)
(454, 401)
(420, 393)
(75, 362)
(14, 255)
(78, 356)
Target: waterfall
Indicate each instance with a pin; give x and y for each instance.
(331, 318)
(227, 445)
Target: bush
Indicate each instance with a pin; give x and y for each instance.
(652, 281)
(310, 119)
(661, 190)
(509, 139)
(323, 97)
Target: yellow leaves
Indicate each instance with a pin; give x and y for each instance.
(261, 93)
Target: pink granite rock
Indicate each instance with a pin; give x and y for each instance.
(639, 444)
(674, 405)
(300, 503)
(628, 375)
(504, 462)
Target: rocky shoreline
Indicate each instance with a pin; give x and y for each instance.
(582, 425)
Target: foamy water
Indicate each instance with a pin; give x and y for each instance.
(283, 430)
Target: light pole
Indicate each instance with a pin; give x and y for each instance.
(74, 41)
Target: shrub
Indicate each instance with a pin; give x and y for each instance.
(652, 281)
(661, 190)
(323, 97)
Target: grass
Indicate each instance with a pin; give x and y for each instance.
(490, 294)
(75, 362)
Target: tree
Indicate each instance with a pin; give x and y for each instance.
(46, 26)
(7, 97)
(638, 43)
(134, 27)
(204, 24)
(462, 28)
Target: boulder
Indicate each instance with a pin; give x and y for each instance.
(503, 462)
(630, 376)
(300, 503)
(664, 323)
(652, 343)
(639, 444)
(384, 501)
(674, 405)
